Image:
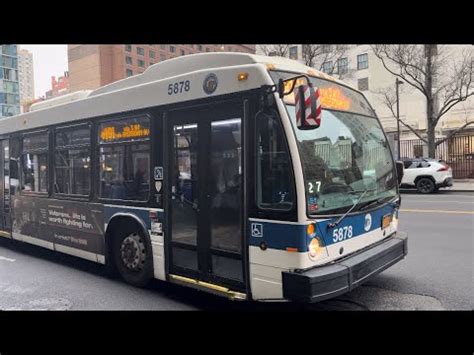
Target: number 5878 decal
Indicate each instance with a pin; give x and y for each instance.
(340, 234)
(179, 87)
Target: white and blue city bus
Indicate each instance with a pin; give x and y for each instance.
(197, 172)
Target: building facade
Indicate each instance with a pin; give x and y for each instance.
(93, 66)
(59, 86)
(26, 76)
(9, 86)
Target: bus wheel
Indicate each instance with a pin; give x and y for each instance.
(133, 258)
(425, 186)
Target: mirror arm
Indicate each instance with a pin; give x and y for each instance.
(281, 86)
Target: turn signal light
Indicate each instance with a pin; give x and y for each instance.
(243, 76)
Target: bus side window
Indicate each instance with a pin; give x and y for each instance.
(274, 182)
(34, 161)
(125, 159)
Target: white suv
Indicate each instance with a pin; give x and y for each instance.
(426, 175)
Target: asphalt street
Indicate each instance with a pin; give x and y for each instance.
(437, 273)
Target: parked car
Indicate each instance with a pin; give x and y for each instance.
(426, 175)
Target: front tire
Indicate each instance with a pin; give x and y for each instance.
(133, 257)
(425, 186)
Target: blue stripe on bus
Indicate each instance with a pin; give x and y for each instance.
(282, 236)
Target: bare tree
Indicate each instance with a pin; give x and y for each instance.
(443, 80)
(319, 54)
(279, 50)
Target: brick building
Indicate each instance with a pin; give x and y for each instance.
(59, 86)
(93, 66)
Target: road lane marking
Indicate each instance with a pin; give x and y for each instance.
(435, 211)
(7, 259)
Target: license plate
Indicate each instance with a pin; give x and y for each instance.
(386, 220)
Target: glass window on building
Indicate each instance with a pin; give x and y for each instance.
(128, 48)
(342, 64)
(294, 52)
(162, 46)
(152, 54)
(363, 84)
(128, 60)
(327, 67)
(362, 61)
(326, 48)
(172, 49)
(200, 48)
(9, 49)
(129, 72)
(208, 49)
(140, 51)
(182, 52)
(141, 63)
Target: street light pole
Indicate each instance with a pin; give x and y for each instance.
(397, 83)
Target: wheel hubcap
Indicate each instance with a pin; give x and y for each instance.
(425, 186)
(132, 252)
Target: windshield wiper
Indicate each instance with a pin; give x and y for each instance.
(334, 224)
(371, 203)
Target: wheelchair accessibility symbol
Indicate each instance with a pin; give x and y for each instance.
(257, 230)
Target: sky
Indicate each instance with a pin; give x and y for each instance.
(48, 60)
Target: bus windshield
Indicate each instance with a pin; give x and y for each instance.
(347, 155)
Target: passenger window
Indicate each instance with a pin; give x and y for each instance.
(274, 175)
(414, 165)
(34, 161)
(125, 164)
(72, 159)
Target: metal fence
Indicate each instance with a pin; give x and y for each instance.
(458, 152)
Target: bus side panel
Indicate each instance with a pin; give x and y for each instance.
(142, 215)
(75, 228)
(274, 247)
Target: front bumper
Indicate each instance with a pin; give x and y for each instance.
(324, 282)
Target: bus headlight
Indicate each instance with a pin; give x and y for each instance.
(315, 247)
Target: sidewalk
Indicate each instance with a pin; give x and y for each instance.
(462, 185)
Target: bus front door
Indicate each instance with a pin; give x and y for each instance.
(205, 190)
(5, 223)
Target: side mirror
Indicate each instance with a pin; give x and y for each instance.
(400, 169)
(307, 107)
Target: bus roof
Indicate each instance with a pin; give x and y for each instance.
(120, 95)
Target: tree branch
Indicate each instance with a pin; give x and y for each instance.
(389, 103)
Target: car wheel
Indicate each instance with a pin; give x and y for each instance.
(133, 257)
(425, 186)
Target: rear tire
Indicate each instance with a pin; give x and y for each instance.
(133, 257)
(425, 186)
